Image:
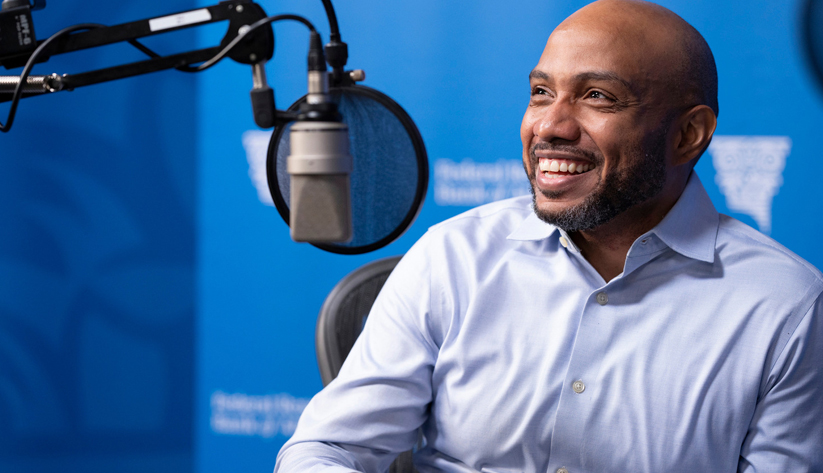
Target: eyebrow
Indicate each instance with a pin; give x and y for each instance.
(535, 74)
(584, 76)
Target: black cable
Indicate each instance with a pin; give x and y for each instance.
(18, 91)
(257, 24)
(148, 52)
(334, 35)
(145, 50)
(337, 52)
(219, 56)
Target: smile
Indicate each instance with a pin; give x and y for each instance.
(554, 168)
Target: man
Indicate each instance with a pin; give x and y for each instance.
(616, 322)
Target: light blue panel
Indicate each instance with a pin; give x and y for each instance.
(461, 73)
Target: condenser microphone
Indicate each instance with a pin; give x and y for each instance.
(319, 163)
(350, 174)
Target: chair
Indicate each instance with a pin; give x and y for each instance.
(341, 320)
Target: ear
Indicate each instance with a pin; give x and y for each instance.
(695, 130)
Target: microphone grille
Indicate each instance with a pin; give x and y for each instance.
(323, 204)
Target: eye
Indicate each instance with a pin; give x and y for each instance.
(539, 91)
(598, 95)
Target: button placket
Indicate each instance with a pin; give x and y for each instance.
(580, 401)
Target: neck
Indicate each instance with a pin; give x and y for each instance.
(605, 247)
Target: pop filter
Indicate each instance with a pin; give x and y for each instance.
(390, 173)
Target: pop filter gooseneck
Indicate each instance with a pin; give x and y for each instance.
(390, 172)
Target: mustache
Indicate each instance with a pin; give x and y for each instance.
(565, 149)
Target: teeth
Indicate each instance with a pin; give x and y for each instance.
(551, 165)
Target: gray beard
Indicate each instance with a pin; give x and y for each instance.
(617, 192)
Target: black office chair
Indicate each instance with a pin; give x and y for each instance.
(341, 320)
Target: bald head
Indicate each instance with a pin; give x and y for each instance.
(666, 49)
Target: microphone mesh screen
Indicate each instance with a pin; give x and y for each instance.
(386, 175)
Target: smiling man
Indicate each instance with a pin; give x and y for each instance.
(614, 321)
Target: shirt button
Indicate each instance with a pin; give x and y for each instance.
(578, 386)
(562, 470)
(564, 242)
(602, 298)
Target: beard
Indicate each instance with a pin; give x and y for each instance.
(615, 193)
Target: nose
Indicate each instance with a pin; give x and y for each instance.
(556, 122)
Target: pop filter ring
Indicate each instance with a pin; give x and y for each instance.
(281, 202)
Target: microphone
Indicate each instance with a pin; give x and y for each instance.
(348, 170)
(319, 162)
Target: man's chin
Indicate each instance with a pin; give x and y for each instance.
(567, 215)
(551, 204)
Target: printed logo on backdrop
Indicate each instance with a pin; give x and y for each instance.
(750, 173)
(256, 144)
(470, 183)
(265, 416)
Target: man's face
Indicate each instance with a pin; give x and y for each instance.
(595, 136)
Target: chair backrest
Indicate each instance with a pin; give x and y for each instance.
(341, 320)
(344, 312)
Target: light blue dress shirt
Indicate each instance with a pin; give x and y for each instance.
(512, 353)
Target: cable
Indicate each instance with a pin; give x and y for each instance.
(18, 91)
(257, 24)
(148, 52)
(234, 42)
(337, 52)
(219, 56)
(334, 35)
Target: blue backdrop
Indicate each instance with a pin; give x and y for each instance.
(97, 263)
(154, 313)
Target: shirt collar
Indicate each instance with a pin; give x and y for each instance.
(532, 228)
(690, 227)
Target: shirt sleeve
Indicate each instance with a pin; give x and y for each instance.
(786, 431)
(371, 412)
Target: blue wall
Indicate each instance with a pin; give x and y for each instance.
(97, 263)
(154, 313)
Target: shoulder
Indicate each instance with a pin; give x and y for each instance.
(496, 218)
(472, 240)
(762, 256)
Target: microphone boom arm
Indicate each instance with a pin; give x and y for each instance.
(255, 48)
